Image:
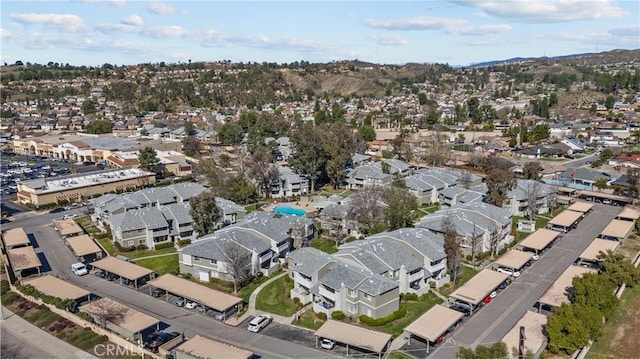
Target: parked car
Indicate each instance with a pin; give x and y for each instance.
(158, 292)
(79, 269)
(511, 272)
(153, 341)
(180, 302)
(191, 305)
(461, 309)
(222, 316)
(260, 322)
(535, 257)
(327, 344)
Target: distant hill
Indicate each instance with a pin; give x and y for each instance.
(583, 58)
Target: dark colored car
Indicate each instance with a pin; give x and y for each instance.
(158, 292)
(57, 210)
(156, 340)
(461, 309)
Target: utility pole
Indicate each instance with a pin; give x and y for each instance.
(521, 348)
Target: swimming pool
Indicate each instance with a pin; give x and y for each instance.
(289, 210)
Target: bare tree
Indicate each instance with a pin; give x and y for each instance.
(494, 238)
(451, 246)
(262, 169)
(465, 179)
(532, 191)
(238, 263)
(365, 207)
(105, 310)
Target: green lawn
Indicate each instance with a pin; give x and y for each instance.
(246, 291)
(107, 244)
(414, 310)
(160, 265)
(430, 208)
(274, 298)
(399, 355)
(309, 320)
(541, 222)
(466, 274)
(325, 245)
(149, 252)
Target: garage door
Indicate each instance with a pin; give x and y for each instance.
(203, 275)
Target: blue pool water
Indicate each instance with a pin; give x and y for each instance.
(289, 210)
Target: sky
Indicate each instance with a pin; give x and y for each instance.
(123, 32)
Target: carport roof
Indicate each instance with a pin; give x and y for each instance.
(514, 259)
(582, 207)
(122, 268)
(629, 213)
(129, 319)
(56, 287)
(533, 324)
(557, 293)
(566, 218)
(353, 335)
(15, 237)
(67, 226)
(480, 286)
(205, 348)
(83, 245)
(618, 229)
(598, 245)
(209, 297)
(23, 258)
(539, 239)
(434, 323)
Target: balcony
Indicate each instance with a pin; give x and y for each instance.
(302, 280)
(323, 306)
(416, 276)
(327, 293)
(302, 294)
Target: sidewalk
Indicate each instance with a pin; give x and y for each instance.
(251, 310)
(45, 341)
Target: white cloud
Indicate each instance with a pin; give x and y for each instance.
(133, 20)
(161, 8)
(547, 11)
(5, 34)
(115, 3)
(486, 42)
(214, 38)
(165, 31)
(66, 22)
(480, 30)
(415, 23)
(390, 40)
(118, 28)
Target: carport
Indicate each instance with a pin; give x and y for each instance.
(210, 298)
(433, 325)
(628, 214)
(514, 259)
(119, 318)
(351, 335)
(202, 347)
(124, 269)
(535, 338)
(67, 228)
(590, 254)
(617, 230)
(603, 197)
(564, 221)
(539, 240)
(58, 288)
(14, 238)
(582, 207)
(479, 287)
(23, 260)
(558, 292)
(84, 248)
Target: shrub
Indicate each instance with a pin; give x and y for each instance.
(85, 316)
(120, 248)
(163, 245)
(400, 313)
(337, 315)
(4, 286)
(184, 242)
(9, 297)
(322, 316)
(141, 247)
(410, 296)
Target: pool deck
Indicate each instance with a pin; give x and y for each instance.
(303, 204)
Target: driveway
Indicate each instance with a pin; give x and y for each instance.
(493, 321)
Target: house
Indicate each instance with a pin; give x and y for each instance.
(144, 226)
(338, 218)
(582, 178)
(426, 184)
(518, 198)
(288, 184)
(575, 144)
(414, 257)
(333, 285)
(458, 194)
(263, 238)
(397, 168)
(479, 226)
(368, 174)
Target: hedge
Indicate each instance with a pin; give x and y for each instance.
(65, 304)
(409, 296)
(337, 315)
(400, 313)
(184, 242)
(163, 245)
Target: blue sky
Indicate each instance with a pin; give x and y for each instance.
(122, 32)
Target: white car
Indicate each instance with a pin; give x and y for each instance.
(510, 272)
(70, 216)
(79, 269)
(535, 257)
(260, 322)
(191, 305)
(327, 344)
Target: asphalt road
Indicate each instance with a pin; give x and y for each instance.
(582, 161)
(16, 348)
(57, 259)
(490, 324)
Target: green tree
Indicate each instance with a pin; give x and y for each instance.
(400, 206)
(262, 169)
(531, 170)
(495, 351)
(618, 269)
(231, 134)
(473, 110)
(566, 330)
(308, 156)
(451, 246)
(553, 99)
(190, 145)
(601, 183)
(539, 133)
(609, 102)
(99, 126)
(433, 116)
(367, 132)
(339, 143)
(88, 107)
(205, 213)
(499, 182)
(148, 159)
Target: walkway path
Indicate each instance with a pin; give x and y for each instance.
(45, 341)
(153, 256)
(251, 310)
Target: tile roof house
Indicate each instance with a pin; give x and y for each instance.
(333, 285)
(477, 224)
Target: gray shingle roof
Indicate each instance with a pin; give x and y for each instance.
(149, 218)
(421, 240)
(186, 190)
(522, 188)
(468, 218)
(179, 212)
(342, 275)
(308, 260)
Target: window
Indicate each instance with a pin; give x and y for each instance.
(213, 261)
(353, 293)
(352, 308)
(366, 296)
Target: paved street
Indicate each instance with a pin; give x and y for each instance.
(59, 259)
(16, 348)
(492, 322)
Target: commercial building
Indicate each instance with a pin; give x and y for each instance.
(79, 187)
